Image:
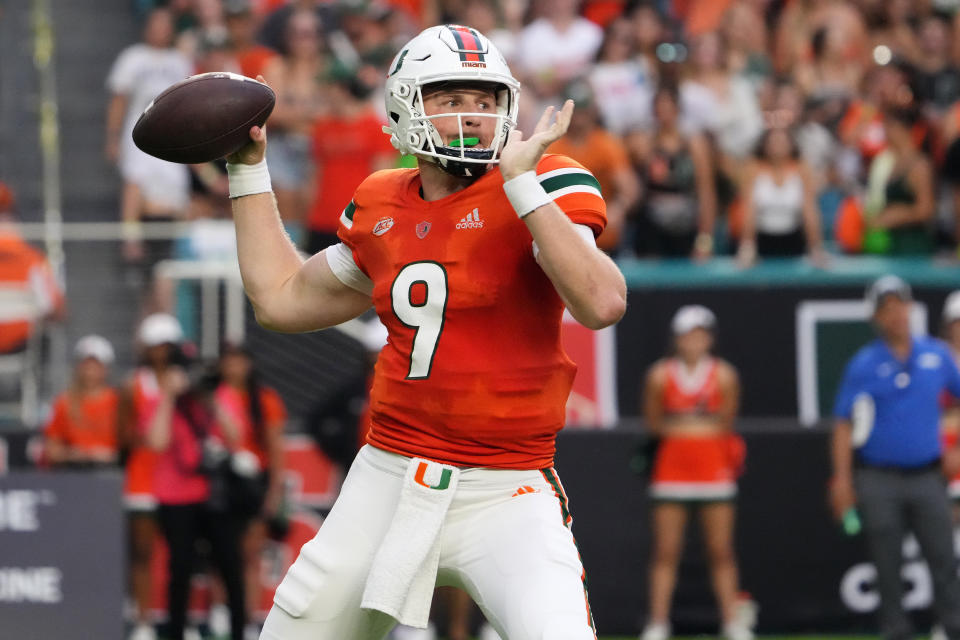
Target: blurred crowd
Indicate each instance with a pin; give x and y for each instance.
(751, 128)
(202, 453)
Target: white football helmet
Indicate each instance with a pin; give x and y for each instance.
(447, 53)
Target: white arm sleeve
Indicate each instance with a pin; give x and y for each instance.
(582, 230)
(341, 262)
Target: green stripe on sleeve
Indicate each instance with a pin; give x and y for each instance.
(569, 180)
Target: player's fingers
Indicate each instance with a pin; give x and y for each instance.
(562, 121)
(514, 136)
(258, 134)
(565, 115)
(544, 122)
(558, 128)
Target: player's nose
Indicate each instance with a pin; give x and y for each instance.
(471, 121)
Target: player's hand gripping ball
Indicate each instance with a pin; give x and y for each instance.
(203, 118)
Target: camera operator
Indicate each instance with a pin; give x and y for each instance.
(194, 438)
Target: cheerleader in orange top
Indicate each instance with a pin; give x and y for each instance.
(159, 336)
(950, 419)
(83, 429)
(690, 401)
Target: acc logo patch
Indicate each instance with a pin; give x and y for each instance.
(383, 225)
(423, 229)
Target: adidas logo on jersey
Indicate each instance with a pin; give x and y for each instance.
(471, 220)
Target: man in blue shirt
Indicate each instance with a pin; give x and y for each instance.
(887, 456)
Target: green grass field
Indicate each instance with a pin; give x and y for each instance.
(817, 637)
(772, 637)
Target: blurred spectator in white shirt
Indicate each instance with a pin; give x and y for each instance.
(622, 83)
(555, 48)
(716, 101)
(153, 189)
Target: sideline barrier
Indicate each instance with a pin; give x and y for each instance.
(61, 555)
(795, 561)
(804, 573)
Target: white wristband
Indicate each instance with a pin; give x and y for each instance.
(525, 193)
(248, 179)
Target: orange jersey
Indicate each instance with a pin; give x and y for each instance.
(696, 392)
(88, 423)
(473, 372)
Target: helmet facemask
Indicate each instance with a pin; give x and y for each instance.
(455, 56)
(459, 157)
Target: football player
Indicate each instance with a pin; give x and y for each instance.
(469, 260)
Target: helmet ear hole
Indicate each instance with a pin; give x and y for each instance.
(413, 139)
(403, 90)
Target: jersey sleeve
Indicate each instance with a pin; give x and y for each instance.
(575, 190)
(346, 233)
(359, 216)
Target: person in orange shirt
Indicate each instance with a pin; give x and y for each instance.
(690, 401)
(605, 156)
(347, 146)
(241, 31)
(23, 266)
(83, 428)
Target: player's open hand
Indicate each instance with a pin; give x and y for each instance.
(254, 151)
(519, 155)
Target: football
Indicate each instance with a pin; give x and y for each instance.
(203, 118)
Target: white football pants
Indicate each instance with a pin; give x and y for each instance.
(506, 540)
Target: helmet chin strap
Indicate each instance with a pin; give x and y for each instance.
(450, 160)
(458, 169)
(463, 169)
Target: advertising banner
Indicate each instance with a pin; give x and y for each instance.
(61, 555)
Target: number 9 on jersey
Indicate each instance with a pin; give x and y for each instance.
(419, 299)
